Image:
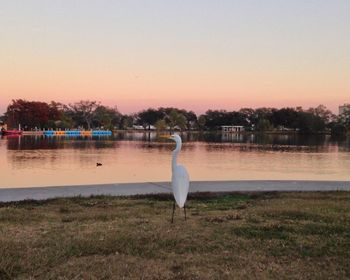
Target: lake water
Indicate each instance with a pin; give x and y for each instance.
(143, 157)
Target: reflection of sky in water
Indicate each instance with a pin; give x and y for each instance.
(140, 157)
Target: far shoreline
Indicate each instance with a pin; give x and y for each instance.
(269, 132)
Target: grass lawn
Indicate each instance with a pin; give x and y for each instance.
(226, 236)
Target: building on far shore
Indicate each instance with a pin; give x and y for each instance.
(344, 108)
(140, 127)
(232, 128)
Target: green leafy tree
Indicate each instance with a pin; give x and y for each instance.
(161, 125)
(106, 117)
(344, 120)
(310, 123)
(215, 119)
(82, 112)
(127, 121)
(149, 117)
(250, 115)
(201, 122)
(321, 111)
(55, 110)
(263, 125)
(337, 128)
(286, 117)
(264, 113)
(176, 119)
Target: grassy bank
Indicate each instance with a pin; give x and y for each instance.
(261, 235)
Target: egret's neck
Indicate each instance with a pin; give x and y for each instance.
(175, 154)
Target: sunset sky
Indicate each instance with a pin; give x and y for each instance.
(193, 54)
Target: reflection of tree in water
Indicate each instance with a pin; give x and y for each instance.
(98, 142)
(33, 143)
(136, 136)
(252, 147)
(341, 141)
(163, 146)
(20, 158)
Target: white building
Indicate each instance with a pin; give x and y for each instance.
(344, 108)
(232, 128)
(140, 127)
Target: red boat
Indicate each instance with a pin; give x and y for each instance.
(11, 132)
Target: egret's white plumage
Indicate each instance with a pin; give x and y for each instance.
(180, 180)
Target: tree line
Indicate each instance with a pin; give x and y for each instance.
(89, 114)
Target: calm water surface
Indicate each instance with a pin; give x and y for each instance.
(141, 157)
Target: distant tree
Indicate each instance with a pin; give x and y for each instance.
(238, 118)
(343, 120)
(161, 125)
(215, 119)
(322, 112)
(264, 113)
(116, 118)
(28, 114)
(51, 125)
(82, 112)
(86, 113)
(127, 121)
(310, 123)
(106, 117)
(337, 128)
(176, 119)
(66, 121)
(40, 113)
(55, 110)
(286, 117)
(149, 117)
(201, 122)
(263, 125)
(191, 118)
(250, 115)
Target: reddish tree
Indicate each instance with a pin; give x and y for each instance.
(29, 114)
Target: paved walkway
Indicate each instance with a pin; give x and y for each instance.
(17, 194)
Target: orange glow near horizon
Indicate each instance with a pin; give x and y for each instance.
(132, 93)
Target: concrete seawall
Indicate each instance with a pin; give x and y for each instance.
(125, 189)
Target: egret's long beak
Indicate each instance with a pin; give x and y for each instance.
(165, 136)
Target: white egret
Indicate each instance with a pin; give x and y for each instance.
(180, 180)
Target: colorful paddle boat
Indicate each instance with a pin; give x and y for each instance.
(11, 132)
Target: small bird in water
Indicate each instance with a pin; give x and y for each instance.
(98, 164)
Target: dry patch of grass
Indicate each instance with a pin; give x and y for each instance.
(232, 235)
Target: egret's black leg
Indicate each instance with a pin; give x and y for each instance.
(172, 218)
(185, 211)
